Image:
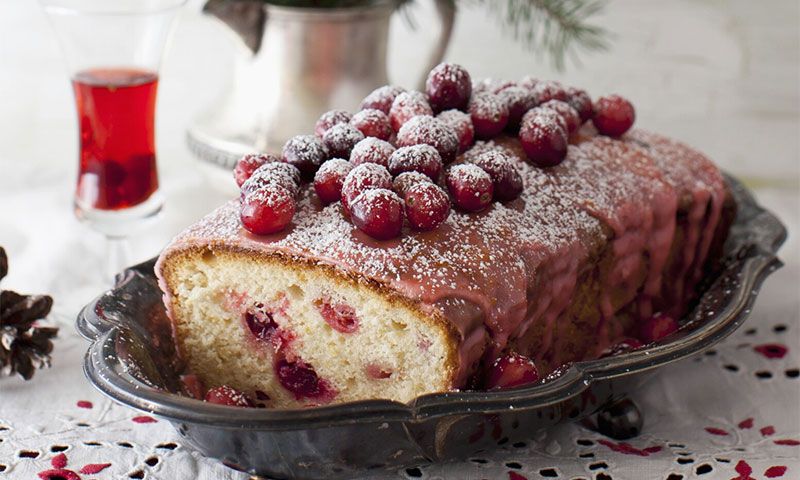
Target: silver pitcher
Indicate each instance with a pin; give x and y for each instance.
(295, 64)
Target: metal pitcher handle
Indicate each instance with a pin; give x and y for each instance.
(446, 9)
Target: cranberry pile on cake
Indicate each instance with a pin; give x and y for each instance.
(475, 235)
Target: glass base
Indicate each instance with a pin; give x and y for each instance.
(123, 222)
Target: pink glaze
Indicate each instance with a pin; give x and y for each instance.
(495, 274)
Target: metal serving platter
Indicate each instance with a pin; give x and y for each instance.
(132, 360)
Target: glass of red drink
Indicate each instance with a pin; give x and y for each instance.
(113, 50)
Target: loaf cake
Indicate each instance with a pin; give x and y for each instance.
(600, 249)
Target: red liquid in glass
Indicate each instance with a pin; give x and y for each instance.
(116, 111)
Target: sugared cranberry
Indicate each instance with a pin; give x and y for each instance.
(329, 119)
(506, 179)
(340, 140)
(378, 213)
(381, 98)
(267, 210)
(329, 179)
(278, 173)
(613, 115)
(416, 158)
(302, 380)
(362, 178)
(483, 85)
(461, 123)
(657, 327)
(225, 395)
(581, 102)
(623, 346)
(373, 123)
(512, 370)
(489, 114)
(546, 90)
(249, 163)
(406, 180)
(470, 186)
(502, 85)
(431, 131)
(529, 82)
(448, 86)
(519, 100)
(372, 150)
(306, 152)
(406, 106)
(543, 137)
(427, 206)
(566, 112)
(340, 316)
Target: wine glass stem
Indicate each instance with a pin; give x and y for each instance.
(118, 254)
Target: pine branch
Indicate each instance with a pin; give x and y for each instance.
(558, 28)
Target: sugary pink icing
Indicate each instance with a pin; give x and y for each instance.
(700, 185)
(495, 274)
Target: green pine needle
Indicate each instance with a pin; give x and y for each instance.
(555, 28)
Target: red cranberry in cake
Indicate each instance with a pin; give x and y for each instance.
(461, 123)
(489, 114)
(261, 324)
(372, 150)
(566, 112)
(301, 379)
(613, 115)
(378, 212)
(225, 395)
(470, 186)
(546, 90)
(268, 209)
(581, 102)
(377, 372)
(329, 119)
(506, 179)
(329, 179)
(543, 137)
(519, 100)
(340, 140)
(381, 98)
(306, 152)
(406, 180)
(657, 327)
(249, 163)
(512, 370)
(427, 206)
(281, 174)
(416, 158)
(406, 106)
(448, 86)
(373, 123)
(431, 131)
(362, 178)
(339, 315)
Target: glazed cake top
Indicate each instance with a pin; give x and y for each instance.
(604, 187)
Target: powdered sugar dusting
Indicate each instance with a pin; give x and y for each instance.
(488, 259)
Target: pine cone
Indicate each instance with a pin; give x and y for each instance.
(24, 345)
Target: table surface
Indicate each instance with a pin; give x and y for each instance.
(722, 76)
